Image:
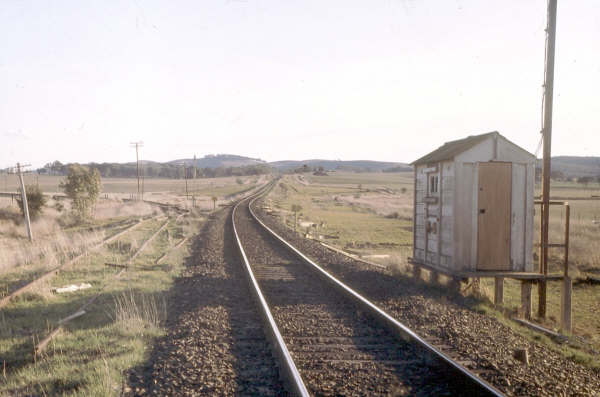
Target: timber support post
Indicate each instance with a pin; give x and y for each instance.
(498, 291)
(526, 299)
(565, 305)
(476, 286)
(416, 271)
(547, 144)
(567, 285)
(24, 201)
(454, 285)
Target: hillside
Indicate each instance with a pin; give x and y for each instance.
(218, 160)
(574, 166)
(350, 165)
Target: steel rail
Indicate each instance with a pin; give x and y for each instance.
(288, 370)
(474, 385)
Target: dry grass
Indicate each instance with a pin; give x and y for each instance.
(57, 236)
(51, 244)
(386, 204)
(135, 312)
(114, 208)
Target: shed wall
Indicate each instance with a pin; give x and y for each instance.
(455, 245)
(465, 224)
(419, 229)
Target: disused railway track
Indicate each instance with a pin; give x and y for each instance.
(330, 340)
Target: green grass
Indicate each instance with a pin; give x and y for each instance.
(367, 180)
(94, 350)
(357, 227)
(49, 184)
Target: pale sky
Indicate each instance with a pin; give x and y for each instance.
(381, 80)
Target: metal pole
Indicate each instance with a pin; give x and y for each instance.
(25, 205)
(547, 139)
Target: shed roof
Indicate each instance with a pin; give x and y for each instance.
(453, 148)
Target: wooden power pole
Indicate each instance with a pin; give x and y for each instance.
(24, 199)
(137, 145)
(547, 139)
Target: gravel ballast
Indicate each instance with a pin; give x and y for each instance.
(337, 349)
(467, 335)
(214, 344)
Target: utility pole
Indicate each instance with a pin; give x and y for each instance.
(186, 187)
(24, 198)
(143, 180)
(547, 139)
(195, 167)
(137, 145)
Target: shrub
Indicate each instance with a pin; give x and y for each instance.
(35, 201)
(82, 186)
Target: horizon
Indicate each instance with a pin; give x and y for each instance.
(388, 81)
(285, 160)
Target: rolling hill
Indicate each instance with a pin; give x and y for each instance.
(219, 160)
(575, 166)
(349, 165)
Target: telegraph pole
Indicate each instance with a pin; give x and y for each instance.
(547, 139)
(143, 180)
(24, 198)
(137, 145)
(194, 166)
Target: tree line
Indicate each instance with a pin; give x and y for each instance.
(159, 170)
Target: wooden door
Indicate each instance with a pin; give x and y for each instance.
(493, 216)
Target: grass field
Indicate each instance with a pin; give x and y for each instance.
(354, 212)
(50, 183)
(91, 354)
(371, 219)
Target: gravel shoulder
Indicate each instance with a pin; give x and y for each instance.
(214, 343)
(437, 314)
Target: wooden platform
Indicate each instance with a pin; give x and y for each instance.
(482, 274)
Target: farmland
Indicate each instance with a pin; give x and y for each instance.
(368, 215)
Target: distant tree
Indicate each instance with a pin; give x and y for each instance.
(320, 171)
(585, 180)
(557, 175)
(35, 201)
(82, 186)
(403, 190)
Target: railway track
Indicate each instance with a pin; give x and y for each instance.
(328, 339)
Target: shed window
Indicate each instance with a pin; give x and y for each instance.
(433, 184)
